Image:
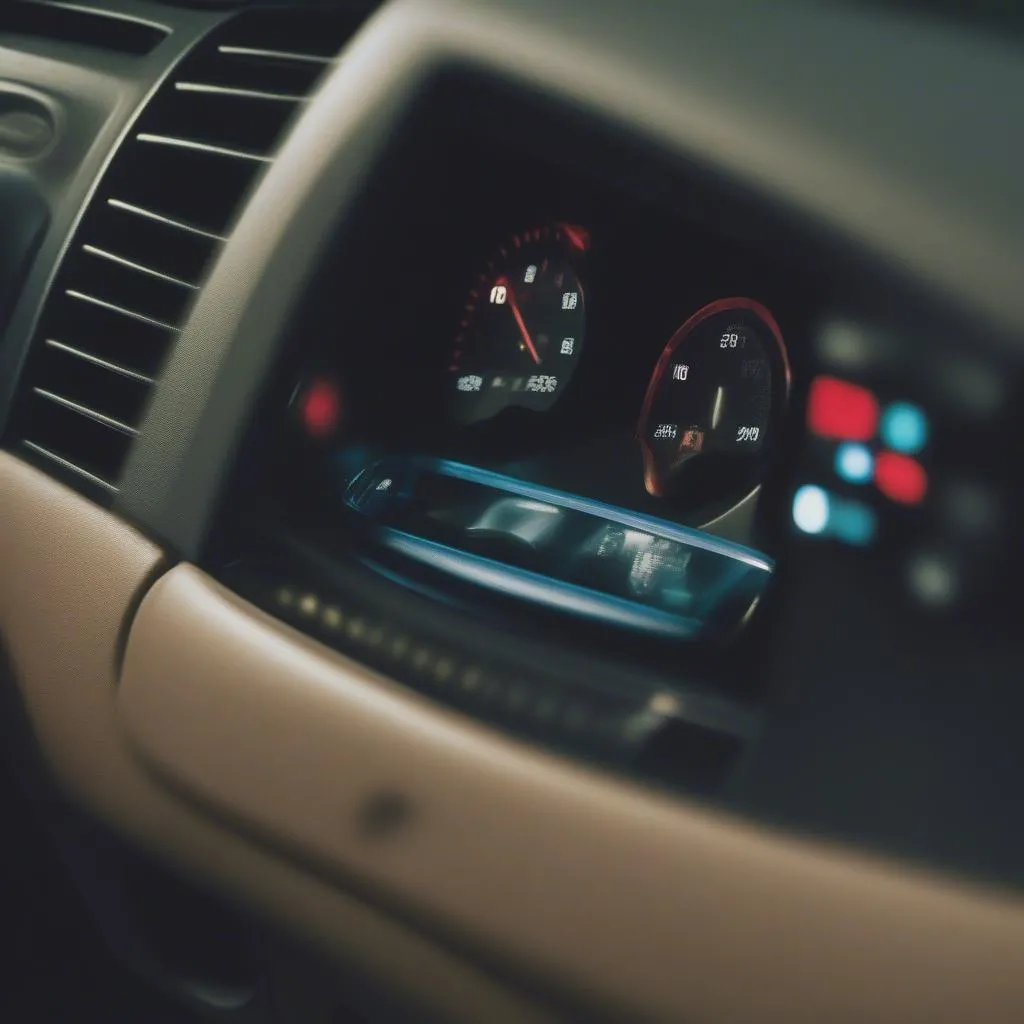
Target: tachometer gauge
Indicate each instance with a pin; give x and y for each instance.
(522, 328)
(714, 403)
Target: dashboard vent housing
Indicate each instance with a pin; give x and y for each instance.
(81, 25)
(159, 216)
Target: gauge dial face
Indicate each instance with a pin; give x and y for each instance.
(522, 328)
(714, 403)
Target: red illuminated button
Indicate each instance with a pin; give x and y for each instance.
(320, 408)
(901, 478)
(841, 411)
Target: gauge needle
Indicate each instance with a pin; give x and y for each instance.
(519, 318)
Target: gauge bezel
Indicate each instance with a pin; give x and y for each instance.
(656, 486)
(572, 241)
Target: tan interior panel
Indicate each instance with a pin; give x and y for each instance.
(70, 576)
(536, 860)
(554, 867)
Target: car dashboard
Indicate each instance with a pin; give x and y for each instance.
(522, 498)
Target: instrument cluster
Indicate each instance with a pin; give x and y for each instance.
(578, 407)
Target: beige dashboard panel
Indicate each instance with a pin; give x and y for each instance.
(650, 908)
(70, 578)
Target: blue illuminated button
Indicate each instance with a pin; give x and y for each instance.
(811, 509)
(820, 513)
(854, 463)
(904, 428)
(853, 522)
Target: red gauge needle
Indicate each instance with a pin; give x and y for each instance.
(504, 281)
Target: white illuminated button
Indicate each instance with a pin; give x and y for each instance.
(854, 463)
(810, 509)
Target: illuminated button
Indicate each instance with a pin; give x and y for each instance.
(320, 408)
(811, 509)
(817, 512)
(901, 478)
(841, 411)
(904, 428)
(852, 522)
(854, 463)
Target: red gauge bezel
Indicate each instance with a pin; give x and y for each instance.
(655, 486)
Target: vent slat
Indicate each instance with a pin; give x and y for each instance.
(107, 335)
(282, 55)
(155, 298)
(249, 94)
(162, 211)
(83, 410)
(115, 393)
(202, 147)
(179, 225)
(91, 446)
(184, 183)
(71, 293)
(103, 364)
(102, 254)
(289, 78)
(69, 465)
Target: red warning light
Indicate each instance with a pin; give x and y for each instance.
(320, 408)
(841, 411)
(901, 478)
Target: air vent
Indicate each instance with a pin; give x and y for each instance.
(161, 212)
(81, 25)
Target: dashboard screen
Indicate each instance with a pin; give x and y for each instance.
(595, 358)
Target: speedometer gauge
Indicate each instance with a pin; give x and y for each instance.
(714, 403)
(522, 329)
